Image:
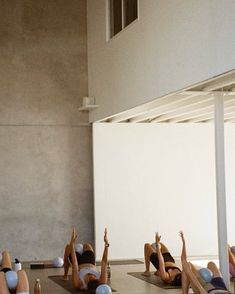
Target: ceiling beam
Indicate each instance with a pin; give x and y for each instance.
(191, 117)
(229, 102)
(228, 113)
(170, 107)
(219, 85)
(142, 108)
(187, 110)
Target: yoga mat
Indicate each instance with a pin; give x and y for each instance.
(67, 285)
(153, 279)
(42, 265)
(123, 262)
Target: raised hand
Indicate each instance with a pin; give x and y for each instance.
(157, 238)
(106, 237)
(181, 235)
(74, 236)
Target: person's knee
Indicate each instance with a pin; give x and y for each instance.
(211, 264)
(147, 245)
(213, 267)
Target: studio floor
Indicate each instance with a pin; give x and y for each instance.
(121, 281)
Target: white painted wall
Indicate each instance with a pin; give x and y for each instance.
(174, 44)
(159, 177)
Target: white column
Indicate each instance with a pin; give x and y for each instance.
(220, 186)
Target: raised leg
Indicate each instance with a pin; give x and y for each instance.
(6, 261)
(23, 283)
(185, 282)
(148, 250)
(213, 267)
(164, 249)
(3, 284)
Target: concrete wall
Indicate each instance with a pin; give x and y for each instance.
(174, 44)
(45, 143)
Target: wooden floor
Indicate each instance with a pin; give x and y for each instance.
(120, 281)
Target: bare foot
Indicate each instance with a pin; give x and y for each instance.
(65, 278)
(146, 274)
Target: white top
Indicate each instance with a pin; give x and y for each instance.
(87, 270)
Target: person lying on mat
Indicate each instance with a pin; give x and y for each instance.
(85, 275)
(163, 261)
(204, 280)
(8, 279)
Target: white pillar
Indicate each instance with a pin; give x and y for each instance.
(220, 186)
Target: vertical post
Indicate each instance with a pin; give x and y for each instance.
(220, 185)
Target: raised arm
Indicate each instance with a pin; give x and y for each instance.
(184, 252)
(161, 270)
(77, 283)
(188, 273)
(104, 262)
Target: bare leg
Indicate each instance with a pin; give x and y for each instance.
(192, 275)
(23, 283)
(213, 267)
(6, 261)
(148, 250)
(3, 284)
(164, 249)
(185, 282)
(67, 251)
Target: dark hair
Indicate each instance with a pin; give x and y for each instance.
(177, 280)
(92, 285)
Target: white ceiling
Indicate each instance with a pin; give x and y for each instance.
(194, 104)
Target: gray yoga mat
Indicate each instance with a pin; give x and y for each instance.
(153, 279)
(123, 262)
(67, 285)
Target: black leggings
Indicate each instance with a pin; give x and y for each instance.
(86, 257)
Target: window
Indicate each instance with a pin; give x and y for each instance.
(121, 14)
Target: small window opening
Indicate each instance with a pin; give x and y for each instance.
(121, 14)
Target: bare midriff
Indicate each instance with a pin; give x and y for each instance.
(87, 265)
(169, 264)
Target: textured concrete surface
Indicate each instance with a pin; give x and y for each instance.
(45, 149)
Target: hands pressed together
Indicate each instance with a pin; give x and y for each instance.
(181, 235)
(73, 237)
(106, 242)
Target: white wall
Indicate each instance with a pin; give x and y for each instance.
(159, 177)
(175, 43)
